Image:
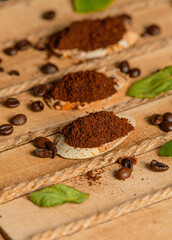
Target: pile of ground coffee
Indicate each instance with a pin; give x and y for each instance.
(89, 35)
(83, 87)
(96, 129)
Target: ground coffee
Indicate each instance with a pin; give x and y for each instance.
(89, 35)
(83, 87)
(95, 129)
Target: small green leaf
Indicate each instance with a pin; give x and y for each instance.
(153, 85)
(57, 195)
(166, 150)
(85, 6)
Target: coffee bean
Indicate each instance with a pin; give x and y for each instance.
(166, 126)
(49, 68)
(1, 69)
(158, 166)
(156, 119)
(12, 102)
(43, 153)
(40, 142)
(49, 15)
(126, 18)
(37, 106)
(23, 44)
(10, 51)
(123, 173)
(168, 116)
(127, 163)
(135, 72)
(153, 30)
(19, 119)
(14, 72)
(40, 45)
(52, 147)
(39, 90)
(123, 159)
(6, 129)
(124, 67)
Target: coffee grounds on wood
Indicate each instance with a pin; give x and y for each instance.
(89, 35)
(96, 129)
(83, 87)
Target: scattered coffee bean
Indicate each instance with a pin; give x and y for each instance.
(43, 153)
(12, 102)
(168, 116)
(1, 69)
(49, 15)
(10, 51)
(40, 142)
(23, 44)
(19, 119)
(124, 67)
(153, 30)
(132, 159)
(39, 90)
(156, 119)
(37, 106)
(49, 68)
(127, 163)
(166, 126)
(52, 147)
(6, 129)
(135, 72)
(123, 173)
(14, 72)
(40, 45)
(158, 166)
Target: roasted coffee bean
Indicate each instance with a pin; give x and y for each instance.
(6, 129)
(166, 126)
(39, 90)
(168, 116)
(40, 142)
(127, 19)
(127, 163)
(124, 67)
(43, 153)
(156, 119)
(37, 106)
(1, 69)
(12, 102)
(153, 30)
(123, 173)
(49, 68)
(19, 119)
(23, 44)
(158, 166)
(40, 45)
(132, 159)
(135, 72)
(52, 147)
(49, 15)
(14, 72)
(10, 51)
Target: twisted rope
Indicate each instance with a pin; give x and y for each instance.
(104, 216)
(10, 193)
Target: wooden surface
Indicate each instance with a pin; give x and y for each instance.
(20, 218)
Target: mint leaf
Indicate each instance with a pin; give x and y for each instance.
(166, 150)
(57, 195)
(153, 85)
(84, 6)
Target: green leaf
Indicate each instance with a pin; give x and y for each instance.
(153, 85)
(57, 195)
(166, 150)
(85, 6)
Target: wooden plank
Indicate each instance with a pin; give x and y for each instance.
(109, 193)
